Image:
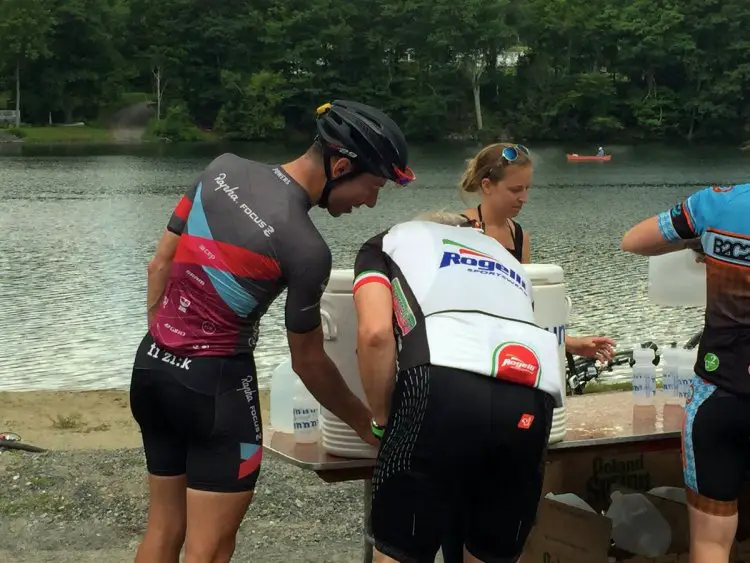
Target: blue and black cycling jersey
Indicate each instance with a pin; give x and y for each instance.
(720, 216)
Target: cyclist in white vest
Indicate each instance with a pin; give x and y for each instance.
(461, 383)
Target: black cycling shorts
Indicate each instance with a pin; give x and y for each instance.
(463, 444)
(715, 447)
(198, 416)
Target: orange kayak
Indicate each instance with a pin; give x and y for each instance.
(577, 157)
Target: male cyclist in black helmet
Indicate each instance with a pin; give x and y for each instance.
(239, 237)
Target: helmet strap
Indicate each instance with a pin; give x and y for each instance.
(331, 182)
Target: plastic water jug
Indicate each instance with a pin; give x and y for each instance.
(675, 279)
(282, 395)
(305, 411)
(571, 500)
(637, 525)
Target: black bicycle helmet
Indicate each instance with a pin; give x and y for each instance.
(366, 136)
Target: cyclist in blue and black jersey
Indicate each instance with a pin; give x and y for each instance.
(716, 434)
(239, 237)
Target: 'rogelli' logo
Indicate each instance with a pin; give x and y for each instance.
(480, 263)
(516, 362)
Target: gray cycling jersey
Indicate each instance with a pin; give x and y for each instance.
(245, 235)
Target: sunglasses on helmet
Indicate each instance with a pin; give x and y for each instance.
(405, 176)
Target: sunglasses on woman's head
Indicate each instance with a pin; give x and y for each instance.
(512, 152)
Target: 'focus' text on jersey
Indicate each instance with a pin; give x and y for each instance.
(460, 300)
(720, 216)
(245, 235)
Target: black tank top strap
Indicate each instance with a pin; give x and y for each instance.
(517, 233)
(517, 241)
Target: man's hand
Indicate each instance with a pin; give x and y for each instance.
(598, 347)
(322, 378)
(364, 429)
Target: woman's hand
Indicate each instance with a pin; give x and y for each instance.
(601, 348)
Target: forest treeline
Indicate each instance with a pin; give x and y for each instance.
(257, 69)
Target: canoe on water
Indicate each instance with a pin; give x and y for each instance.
(577, 157)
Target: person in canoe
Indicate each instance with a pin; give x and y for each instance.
(600, 152)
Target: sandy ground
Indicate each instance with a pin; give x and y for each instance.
(75, 420)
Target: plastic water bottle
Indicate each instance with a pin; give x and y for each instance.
(282, 394)
(306, 412)
(644, 390)
(637, 525)
(673, 411)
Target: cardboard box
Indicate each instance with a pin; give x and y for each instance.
(567, 534)
(593, 475)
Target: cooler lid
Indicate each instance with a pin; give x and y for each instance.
(544, 274)
(341, 281)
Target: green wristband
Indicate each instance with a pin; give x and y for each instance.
(377, 430)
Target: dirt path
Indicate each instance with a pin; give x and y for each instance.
(129, 124)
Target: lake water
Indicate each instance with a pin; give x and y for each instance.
(79, 225)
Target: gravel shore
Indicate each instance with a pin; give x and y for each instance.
(90, 505)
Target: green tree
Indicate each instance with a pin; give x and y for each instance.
(25, 27)
(253, 111)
